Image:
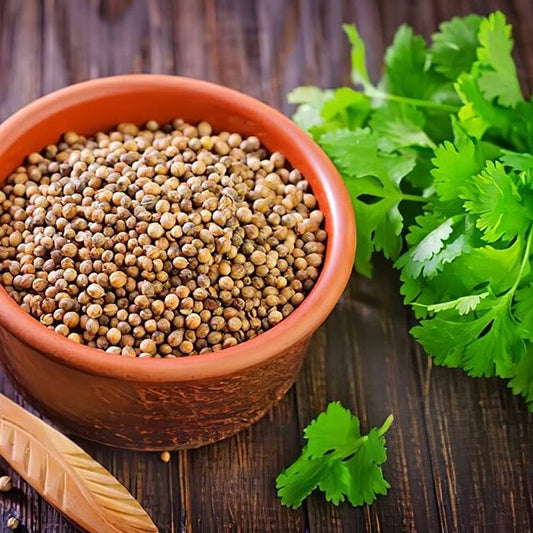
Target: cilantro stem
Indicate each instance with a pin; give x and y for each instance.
(373, 92)
(525, 260)
(386, 425)
(414, 198)
(381, 431)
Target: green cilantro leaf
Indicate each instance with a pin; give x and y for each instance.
(418, 270)
(432, 246)
(497, 267)
(489, 338)
(366, 464)
(338, 421)
(454, 47)
(463, 304)
(493, 196)
(408, 53)
(399, 126)
(321, 111)
(433, 242)
(358, 56)
(311, 100)
(453, 166)
(498, 79)
(482, 346)
(297, 481)
(478, 114)
(523, 162)
(523, 308)
(345, 109)
(335, 482)
(522, 379)
(373, 181)
(494, 352)
(338, 460)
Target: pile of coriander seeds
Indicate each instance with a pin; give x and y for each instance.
(160, 241)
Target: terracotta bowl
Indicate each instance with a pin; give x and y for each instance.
(156, 404)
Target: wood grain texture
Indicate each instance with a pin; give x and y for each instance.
(460, 448)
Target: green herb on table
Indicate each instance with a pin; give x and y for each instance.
(438, 161)
(338, 460)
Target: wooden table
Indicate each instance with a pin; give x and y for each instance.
(459, 448)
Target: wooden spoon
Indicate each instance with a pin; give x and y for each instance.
(64, 475)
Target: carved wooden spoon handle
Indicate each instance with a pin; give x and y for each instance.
(63, 474)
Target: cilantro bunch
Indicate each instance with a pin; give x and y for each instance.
(338, 460)
(437, 158)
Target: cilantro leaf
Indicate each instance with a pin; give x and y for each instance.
(345, 109)
(432, 246)
(408, 53)
(433, 242)
(335, 482)
(522, 379)
(523, 308)
(358, 56)
(497, 267)
(489, 339)
(493, 353)
(335, 420)
(297, 481)
(311, 100)
(517, 161)
(498, 79)
(338, 460)
(463, 304)
(399, 126)
(453, 166)
(373, 181)
(478, 114)
(482, 345)
(366, 465)
(493, 196)
(321, 111)
(454, 47)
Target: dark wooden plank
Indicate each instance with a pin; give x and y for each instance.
(20, 54)
(480, 439)
(232, 482)
(190, 39)
(86, 39)
(160, 37)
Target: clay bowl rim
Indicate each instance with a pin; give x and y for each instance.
(301, 323)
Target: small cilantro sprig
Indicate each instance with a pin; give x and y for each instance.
(338, 460)
(438, 160)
